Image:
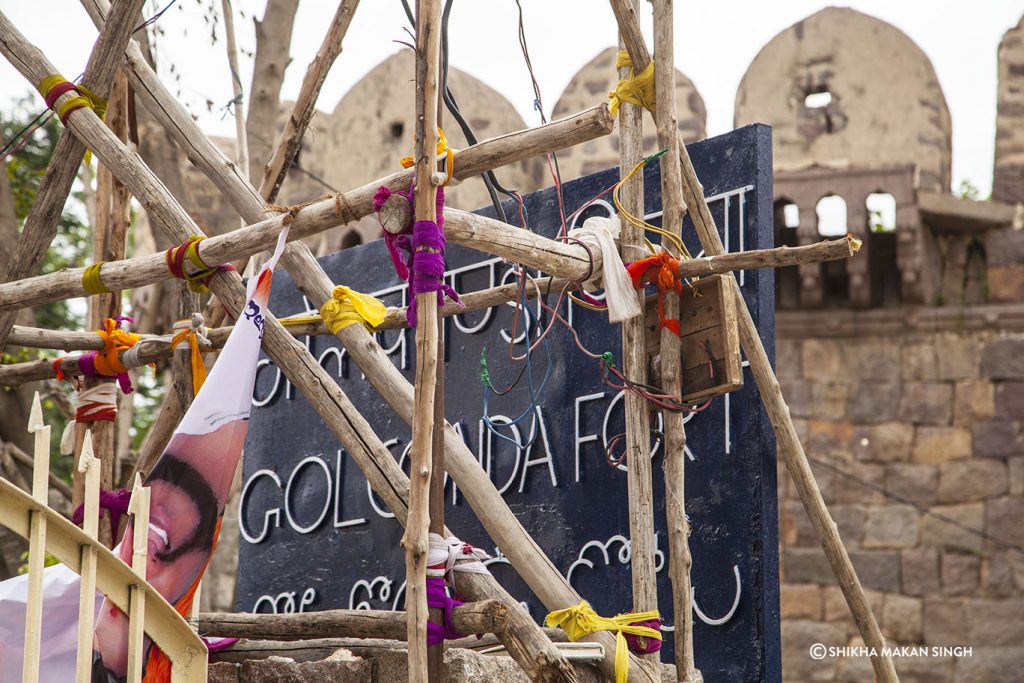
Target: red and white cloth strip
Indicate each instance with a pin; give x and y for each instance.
(92, 405)
(444, 553)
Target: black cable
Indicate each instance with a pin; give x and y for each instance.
(17, 136)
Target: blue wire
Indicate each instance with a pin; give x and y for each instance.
(531, 319)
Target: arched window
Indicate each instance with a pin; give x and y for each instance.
(831, 211)
(352, 239)
(881, 208)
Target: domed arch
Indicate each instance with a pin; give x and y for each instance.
(590, 86)
(841, 89)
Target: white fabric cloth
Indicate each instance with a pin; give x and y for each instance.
(620, 296)
(449, 551)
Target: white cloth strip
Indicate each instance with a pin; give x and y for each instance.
(449, 551)
(622, 300)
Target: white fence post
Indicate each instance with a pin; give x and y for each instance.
(139, 509)
(89, 466)
(36, 543)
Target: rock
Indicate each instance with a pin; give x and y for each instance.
(913, 482)
(836, 608)
(222, 672)
(797, 637)
(873, 402)
(1016, 467)
(806, 565)
(925, 669)
(919, 361)
(963, 481)
(990, 664)
(973, 400)
(995, 438)
(995, 623)
(1003, 359)
(877, 569)
(823, 360)
(939, 533)
(886, 442)
(1010, 399)
(1004, 520)
(828, 400)
(1006, 284)
(945, 621)
(939, 444)
(875, 361)
(960, 573)
(891, 526)
(927, 403)
(901, 618)
(957, 358)
(794, 526)
(919, 571)
(788, 359)
(800, 601)
(828, 437)
(798, 396)
(997, 575)
(279, 670)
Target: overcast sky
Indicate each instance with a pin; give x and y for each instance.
(715, 42)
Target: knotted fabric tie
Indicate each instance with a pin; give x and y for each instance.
(621, 299)
(397, 243)
(218, 644)
(581, 620)
(443, 558)
(662, 269)
(52, 87)
(427, 269)
(442, 149)
(107, 362)
(637, 88)
(114, 502)
(347, 307)
(98, 403)
(191, 332)
(199, 281)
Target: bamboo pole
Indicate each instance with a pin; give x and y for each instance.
(41, 225)
(487, 616)
(36, 543)
(138, 508)
(415, 540)
(673, 209)
(89, 466)
(771, 393)
(639, 475)
(290, 140)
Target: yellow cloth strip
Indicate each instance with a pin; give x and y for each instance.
(84, 98)
(347, 307)
(442, 148)
(582, 620)
(637, 89)
(192, 252)
(198, 367)
(91, 281)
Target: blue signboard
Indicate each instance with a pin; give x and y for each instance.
(314, 537)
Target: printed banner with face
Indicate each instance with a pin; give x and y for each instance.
(189, 488)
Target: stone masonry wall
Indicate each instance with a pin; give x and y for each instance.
(930, 421)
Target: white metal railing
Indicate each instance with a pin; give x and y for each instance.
(47, 531)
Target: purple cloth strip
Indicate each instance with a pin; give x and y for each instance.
(428, 267)
(115, 502)
(218, 644)
(643, 645)
(437, 598)
(395, 243)
(87, 362)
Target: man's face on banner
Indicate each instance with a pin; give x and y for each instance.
(189, 486)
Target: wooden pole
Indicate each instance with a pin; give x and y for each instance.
(290, 140)
(41, 225)
(242, 151)
(415, 540)
(36, 543)
(109, 239)
(487, 616)
(768, 385)
(673, 209)
(639, 475)
(90, 468)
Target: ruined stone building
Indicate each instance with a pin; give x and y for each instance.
(903, 367)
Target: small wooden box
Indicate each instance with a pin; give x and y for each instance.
(709, 326)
